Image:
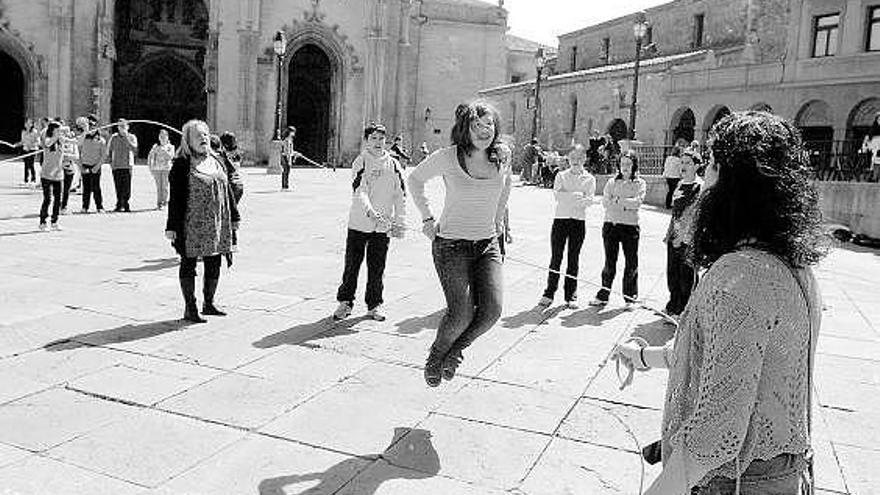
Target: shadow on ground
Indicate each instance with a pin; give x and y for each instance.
(26, 232)
(418, 324)
(410, 449)
(154, 265)
(591, 316)
(126, 333)
(306, 332)
(531, 317)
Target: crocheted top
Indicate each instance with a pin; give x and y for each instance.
(737, 383)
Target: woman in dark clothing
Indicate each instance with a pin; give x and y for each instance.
(202, 216)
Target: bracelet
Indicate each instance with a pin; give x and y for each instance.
(642, 357)
(429, 219)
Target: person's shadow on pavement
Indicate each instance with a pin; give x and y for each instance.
(409, 447)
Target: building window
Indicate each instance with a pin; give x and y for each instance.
(515, 78)
(574, 115)
(825, 29)
(574, 58)
(873, 42)
(606, 50)
(699, 21)
(649, 35)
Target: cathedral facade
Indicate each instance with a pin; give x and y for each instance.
(406, 63)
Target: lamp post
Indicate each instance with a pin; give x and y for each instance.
(540, 61)
(279, 45)
(640, 29)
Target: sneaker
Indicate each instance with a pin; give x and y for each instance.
(84, 210)
(55, 226)
(598, 302)
(100, 210)
(545, 301)
(630, 305)
(343, 311)
(450, 364)
(377, 313)
(64, 211)
(43, 227)
(572, 304)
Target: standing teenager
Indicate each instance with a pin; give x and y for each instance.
(121, 149)
(573, 190)
(465, 236)
(622, 198)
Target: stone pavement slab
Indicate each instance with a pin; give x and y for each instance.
(39, 475)
(268, 466)
(147, 447)
(323, 393)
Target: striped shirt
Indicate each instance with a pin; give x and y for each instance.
(472, 205)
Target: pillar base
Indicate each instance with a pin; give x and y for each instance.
(274, 167)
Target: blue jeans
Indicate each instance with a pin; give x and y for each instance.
(471, 276)
(785, 474)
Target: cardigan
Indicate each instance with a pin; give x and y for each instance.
(178, 180)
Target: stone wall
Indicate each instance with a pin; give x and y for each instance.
(854, 204)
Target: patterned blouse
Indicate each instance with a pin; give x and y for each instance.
(208, 221)
(737, 388)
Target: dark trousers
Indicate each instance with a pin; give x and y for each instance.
(285, 173)
(681, 278)
(65, 191)
(51, 193)
(671, 184)
(188, 267)
(122, 181)
(92, 186)
(30, 174)
(571, 231)
(375, 246)
(615, 235)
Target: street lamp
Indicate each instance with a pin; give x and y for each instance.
(640, 30)
(540, 62)
(279, 45)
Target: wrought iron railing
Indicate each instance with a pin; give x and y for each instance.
(839, 161)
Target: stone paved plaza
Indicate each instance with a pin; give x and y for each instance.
(104, 391)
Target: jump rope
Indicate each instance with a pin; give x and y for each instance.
(619, 360)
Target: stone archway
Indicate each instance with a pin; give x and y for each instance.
(683, 126)
(309, 100)
(159, 72)
(815, 120)
(717, 113)
(12, 104)
(861, 117)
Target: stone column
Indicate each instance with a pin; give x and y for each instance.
(61, 59)
(106, 55)
(404, 48)
(248, 47)
(375, 67)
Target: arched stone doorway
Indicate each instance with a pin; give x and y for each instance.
(159, 70)
(815, 122)
(717, 113)
(684, 124)
(12, 103)
(860, 119)
(617, 129)
(309, 100)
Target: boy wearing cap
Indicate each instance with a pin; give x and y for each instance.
(378, 211)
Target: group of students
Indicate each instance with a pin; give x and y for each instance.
(737, 409)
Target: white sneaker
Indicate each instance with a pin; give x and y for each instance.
(631, 305)
(63, 211)
(598, 302)
(377, 313)
(573, 304)
(55, 226)
(43, 227)
(545, 302)
(343, 311)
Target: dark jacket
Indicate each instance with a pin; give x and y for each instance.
(178, 180)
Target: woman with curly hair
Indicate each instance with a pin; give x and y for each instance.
(465, 247)
(737, 412)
